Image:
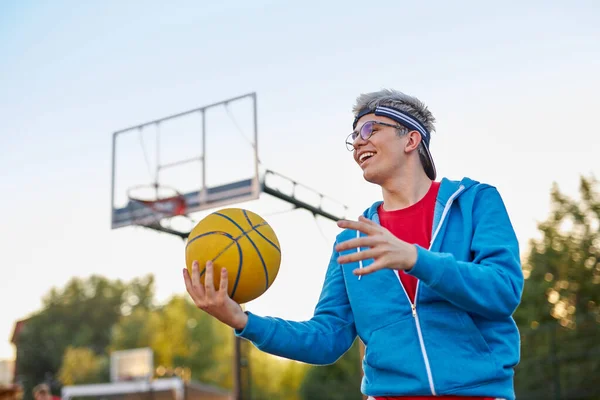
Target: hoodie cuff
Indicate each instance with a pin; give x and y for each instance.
(257, 329)
(427, 268)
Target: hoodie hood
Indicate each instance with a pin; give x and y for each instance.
(449, 191)
(448, 188)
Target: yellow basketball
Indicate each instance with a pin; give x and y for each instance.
(241, 241)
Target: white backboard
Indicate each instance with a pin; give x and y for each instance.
(206, 156)
(6, 372)
(131, 365)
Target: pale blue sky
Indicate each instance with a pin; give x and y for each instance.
(514, 86)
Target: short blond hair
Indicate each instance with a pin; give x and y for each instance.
(42, 387)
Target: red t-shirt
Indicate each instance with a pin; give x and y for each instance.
(413, 224)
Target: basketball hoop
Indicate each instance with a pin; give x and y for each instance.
(154, 203)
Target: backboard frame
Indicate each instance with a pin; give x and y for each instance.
(134, 213)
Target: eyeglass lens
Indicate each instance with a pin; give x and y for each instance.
(365, 131)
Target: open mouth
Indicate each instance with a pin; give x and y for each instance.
(365, 156)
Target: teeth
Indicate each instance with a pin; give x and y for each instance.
(364, 156)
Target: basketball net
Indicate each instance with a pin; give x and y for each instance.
(165, 203)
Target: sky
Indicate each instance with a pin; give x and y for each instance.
(513, 85)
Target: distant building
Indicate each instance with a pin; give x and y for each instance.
(15, 341)
(7, 370)
(157, 389)
(8, 390)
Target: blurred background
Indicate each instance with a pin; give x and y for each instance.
(514, 87)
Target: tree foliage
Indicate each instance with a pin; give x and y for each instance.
(273, 377)
(180, 336)
(559, 316)
(82, 365)
(81, 315)
(338, 381)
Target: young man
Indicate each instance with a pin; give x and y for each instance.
(42, 392)
(428, 278)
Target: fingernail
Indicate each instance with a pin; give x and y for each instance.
(223, 270)
(195, 264)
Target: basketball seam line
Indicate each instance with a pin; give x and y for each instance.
(264, 237)
(262, 262)
(244, 233)
(254, 228)
(235, 241)
(256, 248)
(237, 279)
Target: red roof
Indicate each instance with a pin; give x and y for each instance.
(18, 327)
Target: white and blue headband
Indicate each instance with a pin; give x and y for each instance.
(408, 121)
(401, 117)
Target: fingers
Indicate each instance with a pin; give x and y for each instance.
(363, 225)
(188, 283)
(363, 241)
(367, 221)
(205, 296)
(209, 283)
(193, 286)
(368, 270)
(224, 282)
(196, 285)
(358, 256)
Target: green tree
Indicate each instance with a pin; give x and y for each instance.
(135, 330)
(559, 316)
(210, 347)
(338, 381)
(181, 336)
(82, 365)
(273, 377)
(291, 379)
(80, 315)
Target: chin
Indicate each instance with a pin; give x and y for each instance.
(371, 177)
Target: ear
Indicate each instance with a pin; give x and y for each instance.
(412, 142)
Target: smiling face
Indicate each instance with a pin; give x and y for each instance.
(385, 154)
(42, 392)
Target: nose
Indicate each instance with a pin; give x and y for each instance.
(358, 142)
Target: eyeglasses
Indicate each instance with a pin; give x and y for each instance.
(365, 132)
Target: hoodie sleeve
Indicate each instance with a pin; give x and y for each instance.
(321, 340)
(491, 285)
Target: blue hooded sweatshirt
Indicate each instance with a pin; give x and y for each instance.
(458, 338)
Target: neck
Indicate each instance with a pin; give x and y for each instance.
(405, 189)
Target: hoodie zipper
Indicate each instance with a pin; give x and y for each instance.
(413, 306)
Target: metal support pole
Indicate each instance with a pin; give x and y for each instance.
(112, 184)
(237, 369)
(555, 364)
(256, 178)
(203, 161)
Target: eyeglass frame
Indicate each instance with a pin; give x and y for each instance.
(350, 145)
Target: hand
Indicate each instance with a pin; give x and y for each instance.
(216, 303)
(386, 249)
